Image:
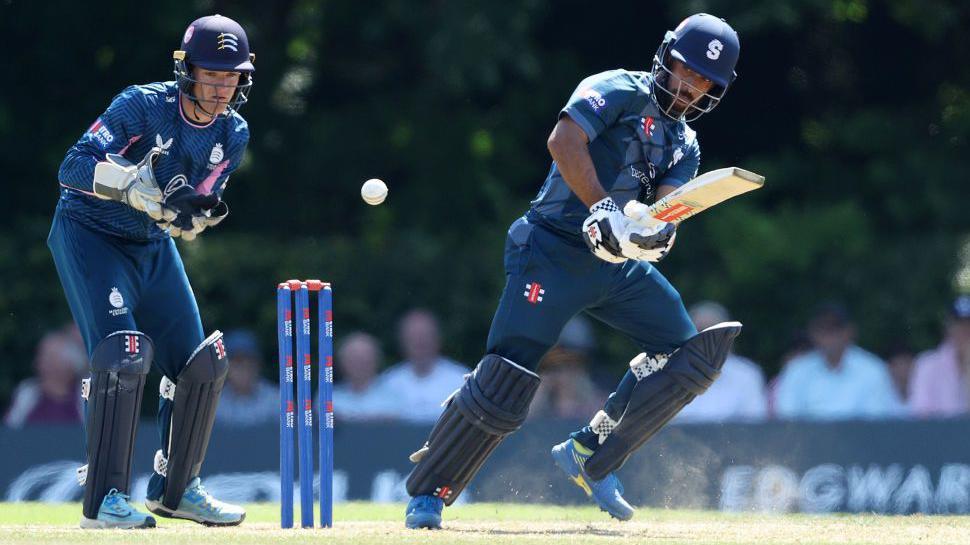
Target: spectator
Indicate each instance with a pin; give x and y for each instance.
(739, 393)
(53, 395)
(357, 396)
(837, 379)
(425, 378)
(566, 390)
(900, 360)
(248, 398)
(941, 378)
(798, 345)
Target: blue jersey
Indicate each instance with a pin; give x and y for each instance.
(635, 148)
(139, 118)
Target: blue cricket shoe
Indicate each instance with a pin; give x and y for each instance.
(571, 456)
(424, 512)
(199, 506)
(116, 512)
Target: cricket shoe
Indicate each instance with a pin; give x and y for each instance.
(424, 512)
(607, 492)
(199, 506)
(116, 512)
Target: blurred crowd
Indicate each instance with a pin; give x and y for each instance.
(824, 375)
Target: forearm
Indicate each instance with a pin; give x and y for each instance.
(568, 146)
(77, 171)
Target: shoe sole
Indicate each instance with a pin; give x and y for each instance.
(422, 524)
(96, 524)
(162, 511)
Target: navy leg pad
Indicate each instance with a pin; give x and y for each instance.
(197, 390)
(659, 395)
(119, 366)
(492, 403)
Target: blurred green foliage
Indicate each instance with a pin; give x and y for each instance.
(858, 113)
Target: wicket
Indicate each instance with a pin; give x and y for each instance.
(294, 316)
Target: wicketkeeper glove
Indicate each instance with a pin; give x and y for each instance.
(118, 179)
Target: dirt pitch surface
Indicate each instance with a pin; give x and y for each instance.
(493, 524)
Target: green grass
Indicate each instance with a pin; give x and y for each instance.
(367, 524)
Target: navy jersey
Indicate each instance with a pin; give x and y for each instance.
(139, 118)
(635, 148)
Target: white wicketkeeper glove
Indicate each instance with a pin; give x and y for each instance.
(614, 237)
(118, 179)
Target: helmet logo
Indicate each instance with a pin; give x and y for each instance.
(228, 41)
(188, 34)
(714, 49)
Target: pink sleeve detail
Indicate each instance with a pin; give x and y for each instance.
(206, 186)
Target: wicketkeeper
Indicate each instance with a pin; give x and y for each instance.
(153, 166)
(622, 136)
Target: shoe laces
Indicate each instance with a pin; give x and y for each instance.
(199, 490)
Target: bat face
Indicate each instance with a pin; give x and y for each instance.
(703, 192)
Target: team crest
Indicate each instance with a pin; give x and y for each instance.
(216, 155)
(118, 302)
(228, 41)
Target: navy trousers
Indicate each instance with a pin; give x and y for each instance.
(551, 277)
(114, 284)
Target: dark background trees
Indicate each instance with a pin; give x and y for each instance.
(858, 113)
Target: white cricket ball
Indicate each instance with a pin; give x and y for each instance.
(374, 191)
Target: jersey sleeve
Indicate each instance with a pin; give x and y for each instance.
(216, 180)
(113, 131)
(684, 169)
(600, 100)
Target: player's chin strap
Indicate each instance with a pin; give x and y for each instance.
(664, 386)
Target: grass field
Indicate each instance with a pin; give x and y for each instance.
(366, 524)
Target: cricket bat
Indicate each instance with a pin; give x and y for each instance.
(697, 195)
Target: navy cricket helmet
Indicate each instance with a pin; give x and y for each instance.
(217, 43)
(707, 45)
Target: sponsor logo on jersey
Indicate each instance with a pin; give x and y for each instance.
(116, 300)
(162, 144)
(678, 155)
(216, 155)
(228, 41)
(644, 177)
(595, 99)
(100, 133)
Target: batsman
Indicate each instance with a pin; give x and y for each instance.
(622, 136)
(151, 168)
